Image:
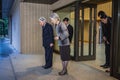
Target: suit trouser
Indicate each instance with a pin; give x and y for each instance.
(48, 56)
(107, 54)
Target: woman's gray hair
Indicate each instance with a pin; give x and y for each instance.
(55, 16)
(43, 19)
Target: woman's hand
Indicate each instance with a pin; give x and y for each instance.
(104, 38)
(56, 38)
(108, 42)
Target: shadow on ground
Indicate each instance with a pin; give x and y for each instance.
(38, 73)
(5, 48)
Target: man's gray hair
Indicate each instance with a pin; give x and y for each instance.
(55, 16)
(43, 19)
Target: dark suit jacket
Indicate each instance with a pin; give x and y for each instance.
(48, 36)
(106, 29)
(70, 31)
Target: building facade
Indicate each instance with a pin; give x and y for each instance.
(26, 34)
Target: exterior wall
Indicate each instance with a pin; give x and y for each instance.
(31, 32)
(26, 32)
(15, 25)
(10, 29)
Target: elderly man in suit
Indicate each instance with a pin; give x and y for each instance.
(48, 39)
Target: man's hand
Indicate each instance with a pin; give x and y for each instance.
(51, 45)
(104, 38)
(108, 42)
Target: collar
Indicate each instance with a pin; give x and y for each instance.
(44, 25)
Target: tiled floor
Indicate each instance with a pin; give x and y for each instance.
(28, 67)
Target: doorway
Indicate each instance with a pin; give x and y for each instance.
(87, 32)
(85, 45)
(99, 47)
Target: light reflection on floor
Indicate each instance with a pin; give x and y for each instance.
(100, 55)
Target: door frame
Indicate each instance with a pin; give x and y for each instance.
(78, 5)
(115, 39)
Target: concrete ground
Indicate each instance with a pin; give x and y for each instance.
(28, 67)
(6, 68)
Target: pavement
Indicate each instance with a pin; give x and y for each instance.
(15, 66)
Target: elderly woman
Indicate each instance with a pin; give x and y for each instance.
(63, 41)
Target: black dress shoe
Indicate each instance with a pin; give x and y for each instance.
(102, 65)
(106, 66)
(43, 66)
(108, 71)
(47, 67)
(63, 73)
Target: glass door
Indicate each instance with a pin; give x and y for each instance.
(87, 32)
(68, 12)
